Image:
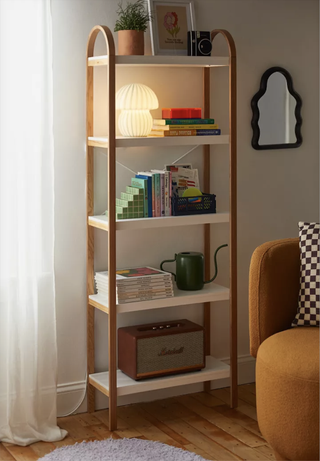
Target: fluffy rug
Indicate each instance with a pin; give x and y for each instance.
(121, 450)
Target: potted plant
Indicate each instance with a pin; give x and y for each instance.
(131, 24)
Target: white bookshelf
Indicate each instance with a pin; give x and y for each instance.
(113, 382)
(210, 293)
(101, 141)
(101, 222)
(214, 369)
(162, 61)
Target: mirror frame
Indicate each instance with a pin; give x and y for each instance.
(256, 113)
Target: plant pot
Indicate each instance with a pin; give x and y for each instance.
(130, 42)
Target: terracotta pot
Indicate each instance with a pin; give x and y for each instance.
(130, 42)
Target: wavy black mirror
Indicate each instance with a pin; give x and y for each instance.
(276, 112)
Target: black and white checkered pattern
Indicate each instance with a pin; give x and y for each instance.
(309, 296)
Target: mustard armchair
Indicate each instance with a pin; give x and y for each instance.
(287, 365)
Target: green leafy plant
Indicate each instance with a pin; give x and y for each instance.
(133, 16)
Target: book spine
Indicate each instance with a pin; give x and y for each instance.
(208, 132)
(153, 197)
(189, 121)
(166, 193)
(170, 192)
(162, 196)
(157, 195)
(190, 126)
(180, 133)
(149, 185)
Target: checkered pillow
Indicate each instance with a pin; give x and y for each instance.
(309, 296)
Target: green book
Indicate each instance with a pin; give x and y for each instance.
(142, 184)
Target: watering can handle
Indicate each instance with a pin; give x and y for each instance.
(168, 261)
(215, 263)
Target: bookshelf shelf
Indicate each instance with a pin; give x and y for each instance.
(96, 141)
(162, 61)
(113, 382)
(209, 293)
(214, 369)
(101, 222)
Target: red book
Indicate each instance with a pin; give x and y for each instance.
(181, 113)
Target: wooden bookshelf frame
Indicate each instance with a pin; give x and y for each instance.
(110, 144)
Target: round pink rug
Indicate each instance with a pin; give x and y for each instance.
(121, 450)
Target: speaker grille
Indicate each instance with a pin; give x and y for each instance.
(169, 352)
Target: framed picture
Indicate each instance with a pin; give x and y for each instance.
(170, 25)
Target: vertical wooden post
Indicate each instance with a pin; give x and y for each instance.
(90, 235)
(112, 330)
(233, 227)
(207, 247)
(112, 324)
(233, 212)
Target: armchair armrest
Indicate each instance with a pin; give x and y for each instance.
(274, 281)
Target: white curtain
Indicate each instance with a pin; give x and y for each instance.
(28, 349)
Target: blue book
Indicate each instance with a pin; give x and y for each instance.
(208, 132)
(149, 187)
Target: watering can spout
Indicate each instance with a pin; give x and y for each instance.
(215, 263)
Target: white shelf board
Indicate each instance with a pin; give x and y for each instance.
(215, 369)
(163, 61)
(210, 293)
(101, 141)
(101, 222)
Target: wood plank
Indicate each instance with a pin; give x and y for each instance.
(247, 396)
(4, 454)
(103, 432)
(207, 399)
(198, 451)
(166, 410)
(87, 419)
(222, 394)
(267, 451)
(201, 441)
(132, 418)
(75, 429)
(68, 440)
(222, 422)
(42, 448)
(160, 425)
(227, 441)
(250, 387)
(239, 418)
(248, 410)
(103, 416)
(22, 453)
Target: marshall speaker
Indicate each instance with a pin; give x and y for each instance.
(159, 349)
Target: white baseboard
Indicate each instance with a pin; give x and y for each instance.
(70, 395)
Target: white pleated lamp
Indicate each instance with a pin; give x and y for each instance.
(135, 101)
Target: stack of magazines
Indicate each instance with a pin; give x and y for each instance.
(137, 284)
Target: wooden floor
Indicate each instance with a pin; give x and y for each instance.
(201, 423)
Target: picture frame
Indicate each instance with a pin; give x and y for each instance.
(171, 22)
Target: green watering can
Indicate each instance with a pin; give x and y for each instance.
(190, 269)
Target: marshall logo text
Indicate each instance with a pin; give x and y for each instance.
(166, 351)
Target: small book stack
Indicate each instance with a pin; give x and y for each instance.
(184, 122)
(137, 284)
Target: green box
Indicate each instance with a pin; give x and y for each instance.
(130, 197)
(134, 191)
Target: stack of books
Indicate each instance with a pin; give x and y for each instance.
(137, 284)
(169, 126)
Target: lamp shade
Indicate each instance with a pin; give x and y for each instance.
(135, 101)
(136, 96)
